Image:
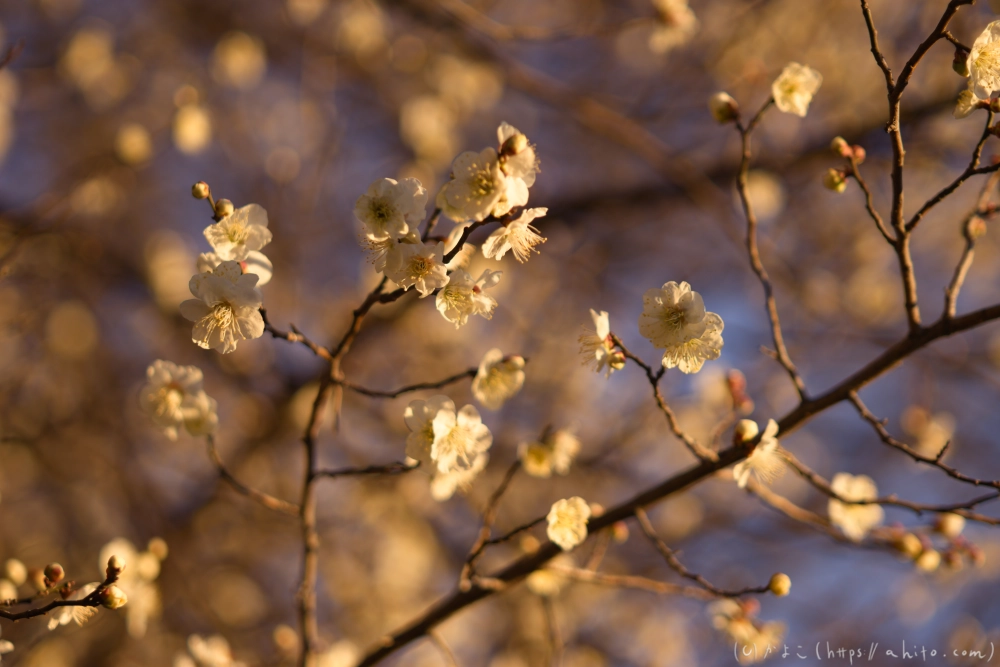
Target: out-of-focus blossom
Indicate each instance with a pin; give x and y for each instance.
(794, 88)
(211, 651)
(498, 379)
(675, 26)
(854, 520)
(239, 61)
(133, 144)
(674, 318)
(138, 581)
(239, 233)
(173, 397)
(226, 308)
(555, 453)
(192, 129)
(966, 104)
(464, 296)
(5, 647)
(518, 236)
(342, 654)
(255, 262)
(755, 641)
(765, 462)
(390, 208)
(568, 522)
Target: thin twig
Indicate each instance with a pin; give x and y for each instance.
(375, 393)
(396, 468)
(442, 646)
(869, 200)
(489, 518)
(92, 600)
(294, 336)
(268, 501)
(971, 235)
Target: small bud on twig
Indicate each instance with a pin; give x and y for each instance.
(223, 207)
(835, 180)
(116, 565)
(723, 107)
(780, 584)
(200, 190)
(54, 573)
(113, 597)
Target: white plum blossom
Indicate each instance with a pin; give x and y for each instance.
(417, 265)
(464, 296)
(517, 155)
(674, 318)
(479, 188)
(966, 104)
(173, 397)
(5, 647)
(984, 62)
(568, 522)
(676, 25)
(239, 233)
(854, 520)
(449, 441)
(137, 580)
(597, 348)
(794, 88)
(390, 208)
(462, 257)
(444, 485)
(498, 379)
(78, 615)
(555, 453)
(735, 620)
(518, 236)
(226, 309)
(211, 651)
(765, 462)
(256, 263)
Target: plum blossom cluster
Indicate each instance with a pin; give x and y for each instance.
(983, 70)
(173, 398)
(736, 619)
(674, 319)
(568, 522)
(226, 307)
(485, 186)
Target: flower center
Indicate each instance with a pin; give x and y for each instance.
(169, 399)
(381, 211)
(482, 183)
(988, 59)
(223, 316)
(674, 318)
(238, 233)
(420, 266)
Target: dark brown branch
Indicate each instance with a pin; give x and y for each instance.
(678, 567)
(92, 600)
(294, 336)
(268, 501)
(396, 468)
(375, 393)
(489, 518)
(12, 53)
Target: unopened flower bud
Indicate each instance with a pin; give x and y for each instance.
(723, 107)
(596, 510)
(961, 62)
(223, 207)
(530, 544)
(780, 584)
(840, 147)
(859, 154)
(745, 431)
(950, 524)
(835, 180)
(616, 360)
(514, 144)
(54, 573)
(113, 597)
(115, 566)
(37, 579)
(909, 545)
(975, 228)
(200, 190)
(619, 532)
(929, 560)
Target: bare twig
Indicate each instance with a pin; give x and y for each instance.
(397, 468)
(489, 517)
(92, 600)
(375, 393)
(294, 336)
(268, 501)
(442, 646)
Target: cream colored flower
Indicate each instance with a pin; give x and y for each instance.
(462, 257)
(765, 461)
(854, 520)
(753, 638)
(967, 103)
(674, 318)
(242, 231)
(137, 580)
(390, 208)
(417, 265)
(256, 263)
(555, 453)
(458, 439)
(173, 397)
(517, 236)
(211, 651)
(498, 379)
(463, 297)
(444, 485)
(226, 309)
(479, 188)
(568, 522)
(597, 348)
(419, 417)
(516, 154)
(984, 62)
(5, 647)
(78, 615)
(794, 88)
(676, 25)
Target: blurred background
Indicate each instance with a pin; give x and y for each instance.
(115, 108)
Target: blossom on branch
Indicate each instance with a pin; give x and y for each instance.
(479, 188)
(138, 580)
(242, 231)
(173, 398)
(765, 462)
(555, 453)
(463, 297)
(255, 262)
(418, 265)
(518, 236)
(390, 208)
(498, 379)
(794, 88)
(444, 439)
(854, 520)
(211, 651)
(674, 319)
(516, 154)
(597, 348)
(226, 309)
(676, 25)
(984, 62)
(568, 522)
